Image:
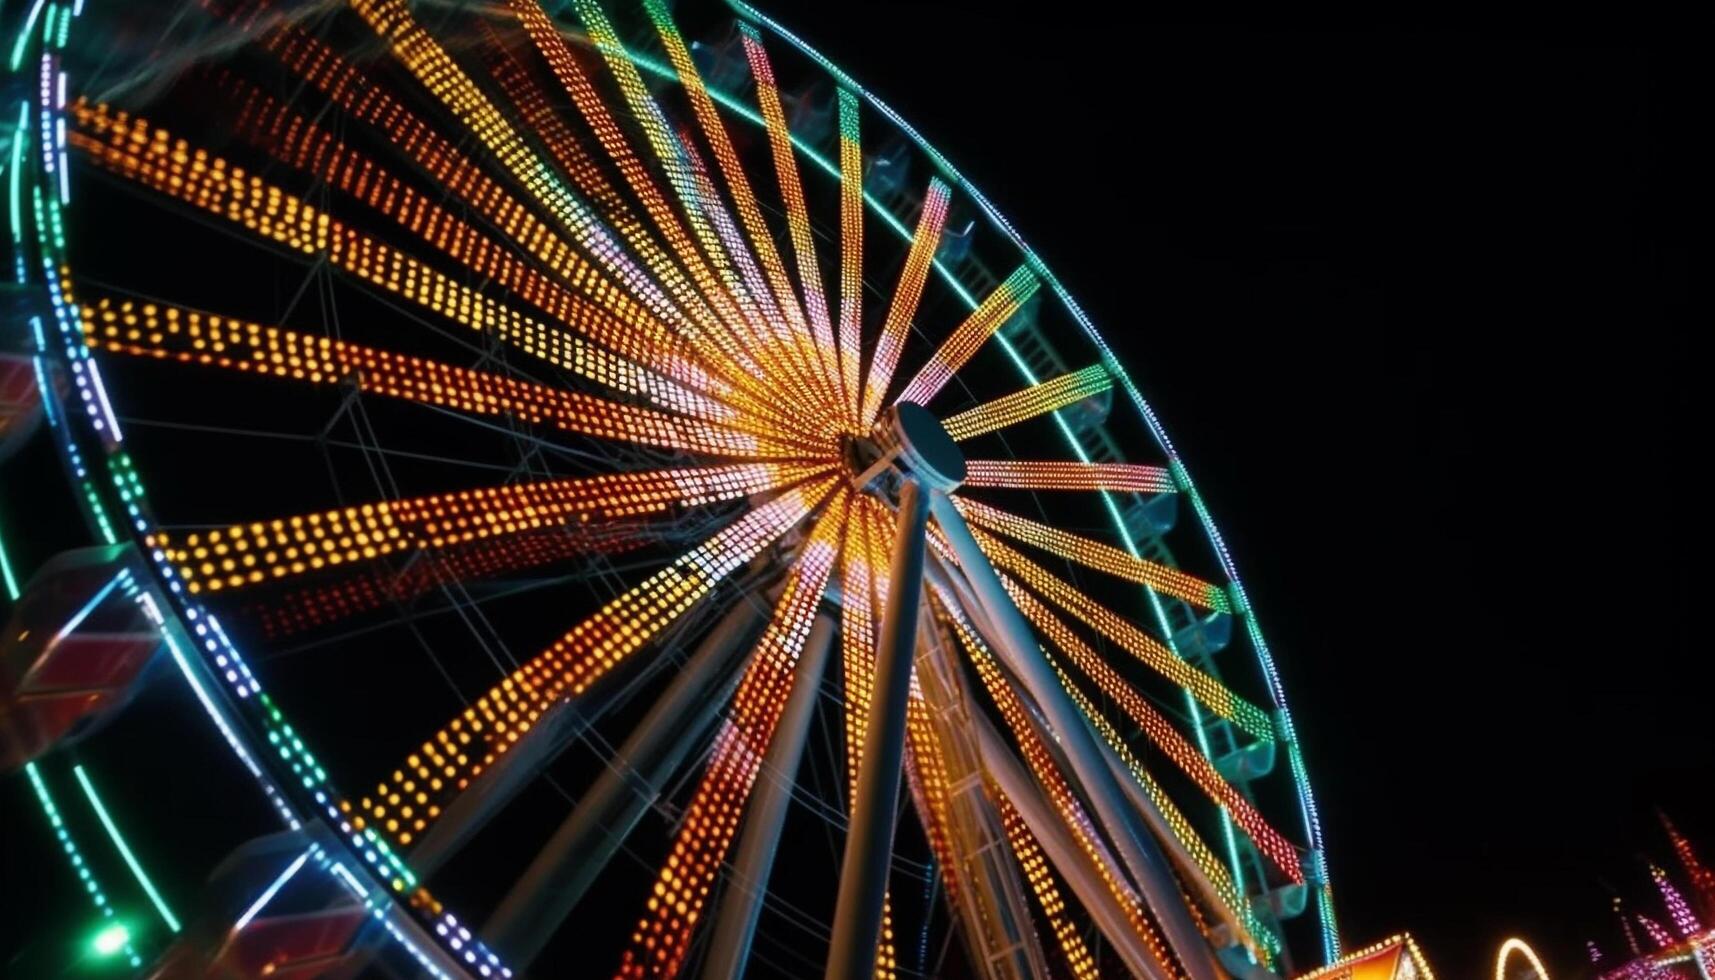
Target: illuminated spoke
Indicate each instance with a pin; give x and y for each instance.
(425, 59)
(1060, 793)
(859, 616)
(465, 181)
(739, 325)
(769, 287)
(789, 348)
(970, 335)
(169, 332)
(1035, 865)
(1161, 732)
(727, 289)
(1049, 396)
(733, 360)
(851, 255)
(714, 130)
(891, 341)
(1164, 579)
(208, 183)
(292, 139)
(1056, 475)
(664, 934)
(926, 777)
(414, 796)
(1197, 862)
(1146, 648)
(249, 554)
(797, 213)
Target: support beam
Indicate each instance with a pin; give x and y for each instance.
(729, 944)
(1197, 880)
(869, 837)
(590, 835)
(1016, 644)
(1072, 864)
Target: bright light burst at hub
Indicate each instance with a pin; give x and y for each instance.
(695, 332)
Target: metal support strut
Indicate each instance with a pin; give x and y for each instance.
(1016, 644)
(869, 838)
(735, 927)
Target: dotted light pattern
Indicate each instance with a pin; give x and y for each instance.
(723, 292)
(926, 776)
(1657, 932)
(737, 182)
(1343, 969)
(773, 286)
(862, 563)
(288, 137)
(85, 876)
(1232, 908)
(1161, 733)
(878, 543)
(1049, 396)
(368, 587)
(1036, 871)
(1059, 792)
(1090, 553)
(851, 253)
(755, 329)
(662, 937)
(1678, 909)
(891, 341)
(1060, 475)
(450, 169)
(248, 554)
(797, 213)
(968, 337)
(152, 158)
(416, 792)
(424, 58)
(167, 331)
(795, 359)
(578, 162)
(1702, 879)
(1135, 641)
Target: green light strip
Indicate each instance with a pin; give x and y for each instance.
(86, 876)
(19, 134)
(6, 575)
(125, 851)
(24, 35)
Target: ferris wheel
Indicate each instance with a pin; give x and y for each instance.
(604, 495)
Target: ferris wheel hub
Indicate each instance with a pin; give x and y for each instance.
(908, 442)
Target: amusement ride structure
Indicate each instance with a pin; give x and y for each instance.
(1674, 942)
(584, 489)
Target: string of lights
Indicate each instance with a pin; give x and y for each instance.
(1059, 475)
(1098, 555)
(969, 336)
(711, 820)
(1049, 396)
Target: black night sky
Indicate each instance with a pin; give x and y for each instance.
(1410, 301)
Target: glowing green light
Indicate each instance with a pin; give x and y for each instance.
(111, 939)
(7, 578)
(125, 851)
